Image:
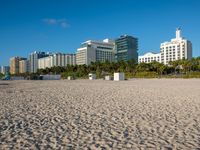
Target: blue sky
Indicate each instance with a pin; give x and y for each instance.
(61, 25)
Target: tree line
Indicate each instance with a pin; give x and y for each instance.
(179, 68)
(182, 67)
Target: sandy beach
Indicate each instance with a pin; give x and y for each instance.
(81, 114)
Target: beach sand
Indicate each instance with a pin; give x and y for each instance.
(82, 114)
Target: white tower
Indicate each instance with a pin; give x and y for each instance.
(178, 48)
(178, 33)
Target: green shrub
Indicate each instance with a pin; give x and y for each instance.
(146, 74)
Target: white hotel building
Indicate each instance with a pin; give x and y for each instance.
(92, 51)
(149, 57)
(58, 59)
(177, 48)
(45, 62)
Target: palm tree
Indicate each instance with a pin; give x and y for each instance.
(143, 67)
(1, 75)
(131, 65)
(161, 69)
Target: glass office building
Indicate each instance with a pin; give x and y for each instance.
(126, 48)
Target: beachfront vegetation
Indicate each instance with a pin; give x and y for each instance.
(175, 69)
(1, 75)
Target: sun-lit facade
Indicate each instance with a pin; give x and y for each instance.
(177, 48)
(92, 51)
(149, 57)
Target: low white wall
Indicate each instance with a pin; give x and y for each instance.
(51, 77)
(17, 78)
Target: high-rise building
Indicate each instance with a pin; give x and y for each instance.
(5, 69)
(33, 58)
(70, 59)
(92, 51)
(58, 59)
(24, 66)
(149, 57)
(177, 48)
(14, 64)
(45, 62)
(126, 48)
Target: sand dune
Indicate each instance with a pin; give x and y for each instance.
(81, 114)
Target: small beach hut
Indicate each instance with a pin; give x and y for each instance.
(70, 78)
(108, 78)
(119, 76)
(92, 76)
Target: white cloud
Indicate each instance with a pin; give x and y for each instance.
(64, 24)
(61, 22)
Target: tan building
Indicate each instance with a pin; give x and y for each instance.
(23, 66)
(14, 64)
